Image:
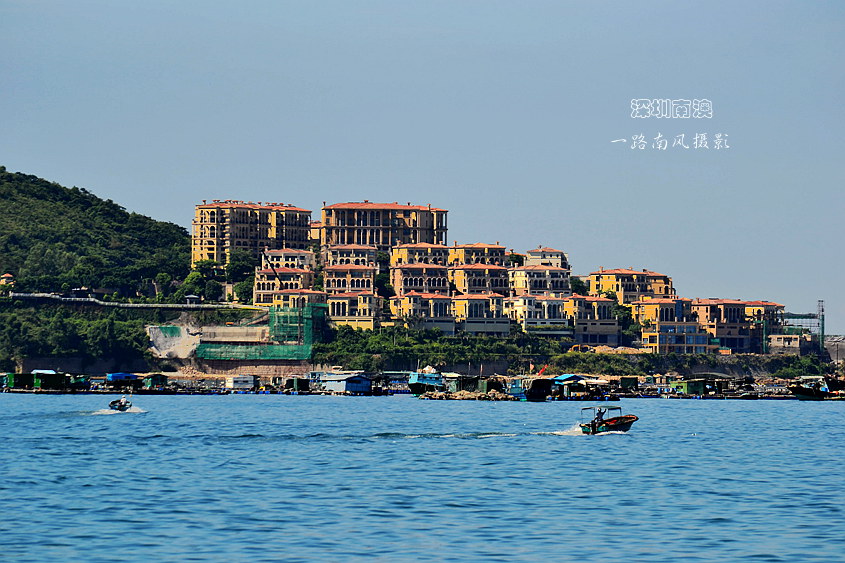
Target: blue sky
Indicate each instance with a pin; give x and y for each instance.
(501, 112)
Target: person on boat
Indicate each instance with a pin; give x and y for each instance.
(122, 402)
(594, 424)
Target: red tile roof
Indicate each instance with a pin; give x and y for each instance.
(477, 296)
(422, 245)
(717, 302)
(590, 298)
(424, 295)
(288, 251)
(478, 245)
(299, 291)
(341, 267)
(477, 267)
(237, 204)
(419, 266)
(385, 206)
(538, 267)
(352, 294)
(764, 304)
(283, 270)
(626, 271)
(660, 300)
(544, 249)
(351, 247)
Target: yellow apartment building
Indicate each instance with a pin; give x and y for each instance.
(477, 253)
(479, 278)
(726, 322)
(288, 258)
(424, 311)
(670, 326)
(651, 311)
(269, 281)
(545, 256)
(592, 320)
(349, 278)
(357, 254)
(221, 227)
(315, 229)
(539, 280)
(767, 311)
(481, 314)
(630, 285)
(358, 309)
(420, 278)
(766, 319)
(423, 252)
(298, 298)
(539, 312)
(383, 225)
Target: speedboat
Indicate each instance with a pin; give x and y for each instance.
(605, 419)
(117, 405)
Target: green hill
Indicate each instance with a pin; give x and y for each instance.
(54, 238)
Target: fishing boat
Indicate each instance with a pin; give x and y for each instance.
(605, 419)
(817, 388)
(121, 404)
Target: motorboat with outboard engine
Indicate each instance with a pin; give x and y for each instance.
(606, 419)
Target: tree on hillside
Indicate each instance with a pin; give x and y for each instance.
(208, 268)
(515, 259)
(243, 290)
(241, 265)
(383, 287)
(54, 237)
(578, 286)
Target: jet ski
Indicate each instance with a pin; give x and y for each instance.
(120, 405)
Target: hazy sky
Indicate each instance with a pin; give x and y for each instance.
(501, 112)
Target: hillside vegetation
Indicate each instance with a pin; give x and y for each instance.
(54, 238)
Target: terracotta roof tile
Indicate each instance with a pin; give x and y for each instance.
(590, 298)
(341, 267)
(299, 291)
(351, 247)
(530, 268)
(478, 245)
(422, 245)
(424, 295)
(419, 266)
(477, 267)
(626, 271)
(283, 270)
(236, 204)
(288, 251)
(386, 206)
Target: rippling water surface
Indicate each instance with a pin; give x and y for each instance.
(312, 478)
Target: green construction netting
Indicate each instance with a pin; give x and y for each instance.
(295, 324)
(292, 327)
(210, 351)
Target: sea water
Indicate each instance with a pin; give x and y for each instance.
(319, 478)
